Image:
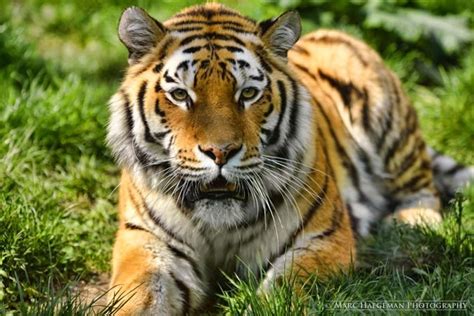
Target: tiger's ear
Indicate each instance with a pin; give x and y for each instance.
(139, 32)
(281, 33)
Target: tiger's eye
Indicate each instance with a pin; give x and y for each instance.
(179, 94)
(248, 93)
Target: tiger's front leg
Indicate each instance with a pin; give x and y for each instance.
(317, 254)
(323, 244)
(150, 280)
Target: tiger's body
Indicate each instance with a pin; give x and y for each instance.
(239, 153)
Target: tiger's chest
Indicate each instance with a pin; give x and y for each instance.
(251, 247)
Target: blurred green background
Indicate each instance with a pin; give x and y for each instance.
(60, 61)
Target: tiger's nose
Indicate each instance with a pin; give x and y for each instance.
(220, 154)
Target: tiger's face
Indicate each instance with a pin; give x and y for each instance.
(208, 101)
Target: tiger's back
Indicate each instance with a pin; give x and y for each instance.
(243, 150)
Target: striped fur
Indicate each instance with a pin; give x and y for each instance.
(326, 145)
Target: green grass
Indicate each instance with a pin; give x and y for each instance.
(397, 264)
(59, 64)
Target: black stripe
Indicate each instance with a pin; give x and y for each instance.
(223, 67)
(387, 127)
(159, 136)
(158, 68)
(184, 65)
(211, 36)
(413, 183)
(128, 114)
(283, 69)
(276, 131)
(266, 132)
(366, 110)
(347, 91)
(318, 202)
(269, 111)
(283, 152)
(300, 49)
(257, 164)
(205, 63)
(193, 49)
(158, 110)
(243, 63)
(141, 70)
(208, 14)
(188, 29)
(344, 89)
(157, 220)
(168, 78)
(393, 148)
(260, 77)
(188, 22)
(410, 159)
(305, 70)
(365, 158)
(388, 120)
(135, 203)
(452, 171)
(416, 186)
(164, 48)
(238, 29)
(233, 49)
(157, 86)
(132, 226)
(185, 294)
(142, 157)
(262, 58)
(331, 40)
(141, 106)
(171, 142)
(265, 25)
(400, 142)
(294, 111)
(346, 161)
(335, 224)
(427, 182)
(354, 221)
(192, 168)
(178, 253)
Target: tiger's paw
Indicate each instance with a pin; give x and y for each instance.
(416, 217)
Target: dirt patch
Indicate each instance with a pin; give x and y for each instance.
(94, 292)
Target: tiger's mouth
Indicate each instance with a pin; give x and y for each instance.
(219, 189)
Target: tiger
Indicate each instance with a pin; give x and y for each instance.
(244, 148)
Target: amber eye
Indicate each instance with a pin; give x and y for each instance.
(179, 94)
(248, 93)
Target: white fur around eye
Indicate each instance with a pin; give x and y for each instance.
(185, 104)
(250, 101)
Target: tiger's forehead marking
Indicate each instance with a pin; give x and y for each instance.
(213, 39)
(201, 57)
(212, 14)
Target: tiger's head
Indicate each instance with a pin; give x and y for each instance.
(209, 111)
